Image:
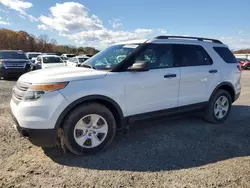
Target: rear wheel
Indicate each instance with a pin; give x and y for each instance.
(219, 107)
(89, 129)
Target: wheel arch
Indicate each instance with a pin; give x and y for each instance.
(106, 101)
(227, 86)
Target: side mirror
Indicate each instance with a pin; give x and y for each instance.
(139, 66)
(30, 57)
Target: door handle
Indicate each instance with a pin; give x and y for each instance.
(213, 71)
(169, 75)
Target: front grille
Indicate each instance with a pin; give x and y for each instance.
(19, 90)
(14, 65)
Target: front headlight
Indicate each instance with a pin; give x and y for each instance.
(38, 90)
(33, 95)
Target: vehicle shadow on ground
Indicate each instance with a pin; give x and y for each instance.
(170, 144)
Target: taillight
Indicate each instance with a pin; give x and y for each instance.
(239, 67)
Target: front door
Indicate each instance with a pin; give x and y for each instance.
(156, 89)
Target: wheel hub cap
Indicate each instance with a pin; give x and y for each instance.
(221, 107)
(90, 131)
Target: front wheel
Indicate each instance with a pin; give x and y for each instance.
(89, 129)
(219, 107)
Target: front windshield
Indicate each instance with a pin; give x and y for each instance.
(12, 55)
(110, 57)
(52, 60)
(33, 55)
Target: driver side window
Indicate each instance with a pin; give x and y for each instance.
(158, 55)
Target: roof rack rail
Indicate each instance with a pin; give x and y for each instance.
(183, 37)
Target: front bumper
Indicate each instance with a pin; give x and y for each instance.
(36, 120)
(12, 72)
(38, 137)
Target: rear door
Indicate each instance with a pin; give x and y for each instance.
(199, 75)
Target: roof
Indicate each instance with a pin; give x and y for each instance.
(188, 38)
(176, 39)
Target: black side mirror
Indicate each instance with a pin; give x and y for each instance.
(30, 57)
(139, 66)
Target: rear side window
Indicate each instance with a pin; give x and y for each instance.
(191, 55)
(225, 54)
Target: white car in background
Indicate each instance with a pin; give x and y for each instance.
(33, 55)
(77, 61)
(48, 61)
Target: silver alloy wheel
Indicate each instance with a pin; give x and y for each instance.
(90, 131)
(221, 107)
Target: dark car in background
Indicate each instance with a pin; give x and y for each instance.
(13, 63)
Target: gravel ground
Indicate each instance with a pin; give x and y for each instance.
(180, 152)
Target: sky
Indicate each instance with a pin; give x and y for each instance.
(101, 23)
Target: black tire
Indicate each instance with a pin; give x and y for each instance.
(78, 113)
(209, 113)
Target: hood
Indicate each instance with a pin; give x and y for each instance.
(61, 74)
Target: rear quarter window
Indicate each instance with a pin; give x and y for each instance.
(226, 54)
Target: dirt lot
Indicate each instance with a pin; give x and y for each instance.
(180, 152)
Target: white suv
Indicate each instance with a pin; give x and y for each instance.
(83, 107)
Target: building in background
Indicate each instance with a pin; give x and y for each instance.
(242, 55)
